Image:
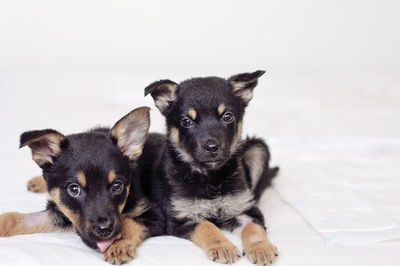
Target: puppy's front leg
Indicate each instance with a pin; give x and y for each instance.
(214, 243)
(256, 245)
(124, 249)
(14, 223)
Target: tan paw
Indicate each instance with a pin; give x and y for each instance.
(261, 253)
(9, 222)
(120, 252)
(226, 253)
(37, 184)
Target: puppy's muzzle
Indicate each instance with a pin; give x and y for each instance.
(211, 147)
(103, 226)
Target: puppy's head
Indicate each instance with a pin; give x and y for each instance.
(204, 115)
(88, 175)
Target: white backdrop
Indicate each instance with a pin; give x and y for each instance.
(199, 37)
(328, 105)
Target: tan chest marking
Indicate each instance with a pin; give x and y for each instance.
(223, 208)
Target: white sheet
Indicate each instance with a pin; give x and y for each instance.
(341, 187)
(318, 131)
(298, 245)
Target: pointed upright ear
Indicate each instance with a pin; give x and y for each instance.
(131, 132)
(45, 145)
(243, 84)
(163, 93)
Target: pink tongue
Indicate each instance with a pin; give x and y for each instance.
(103, 245)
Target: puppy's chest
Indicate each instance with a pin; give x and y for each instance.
(221, 208)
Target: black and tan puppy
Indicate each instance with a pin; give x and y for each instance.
(204, 176)
(93, 187)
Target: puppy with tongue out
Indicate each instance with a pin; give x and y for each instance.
(103, 245)
(93, 186)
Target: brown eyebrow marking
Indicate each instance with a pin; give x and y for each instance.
(221, 108)
(81, 178)
(192, 113)
(111, 176)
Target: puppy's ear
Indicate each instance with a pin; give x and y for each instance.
(131, 132)
(163, 93)
(243, 84)
(45, 145)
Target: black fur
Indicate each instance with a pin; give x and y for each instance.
(94, 153)
(184, 167)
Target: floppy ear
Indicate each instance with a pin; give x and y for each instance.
(243, 84)
(131, 132)
(44, 144)
(163, 93)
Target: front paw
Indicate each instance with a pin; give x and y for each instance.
(261, 253)
(9, 224)
(225, 253)
(120, 252)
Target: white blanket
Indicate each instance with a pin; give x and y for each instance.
(345, 189)
(328, 179)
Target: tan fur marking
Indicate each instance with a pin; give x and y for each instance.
(174, 135)
(124, 249)
(72, 216)
(122, 205)
(257, 247)
(111, 176)
(14, 223)
(236, 140)
(221, 108)
(81, 178)
(37, 184)
(239, 130)
(222, 207)
(192, 113)
(182, 153)
(140, 208)
(214, 243)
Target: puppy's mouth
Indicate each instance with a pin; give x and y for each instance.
(215, 164)
(105, 244)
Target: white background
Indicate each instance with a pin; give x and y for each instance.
(110, 50)
(333, 74)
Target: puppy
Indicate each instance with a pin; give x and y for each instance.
(93, 188)
(203, 175)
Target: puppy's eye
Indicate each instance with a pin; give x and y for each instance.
(186, 122)
(74, 190)
(228, 117)
(117, 187)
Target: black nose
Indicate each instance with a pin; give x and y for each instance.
(103, 226)
(211, 145)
